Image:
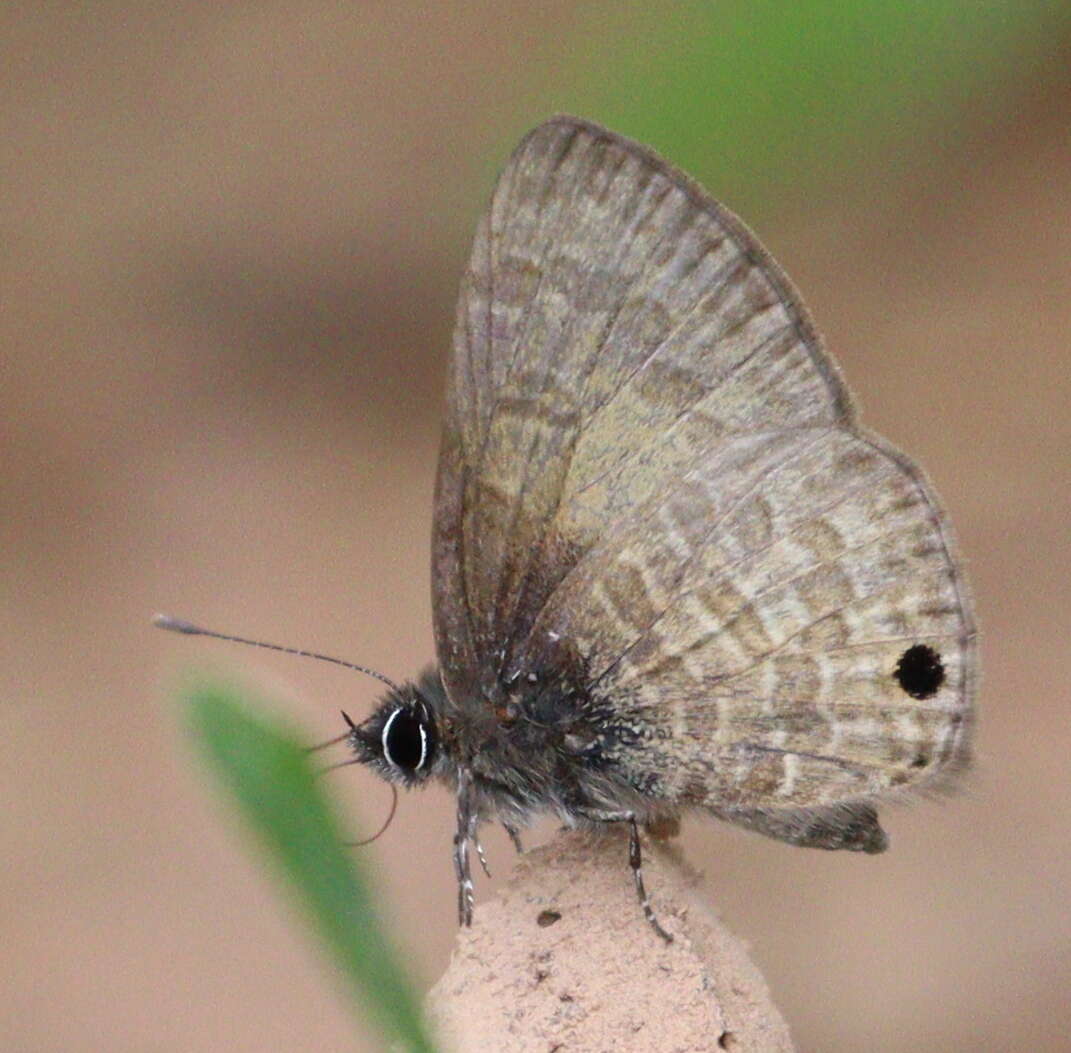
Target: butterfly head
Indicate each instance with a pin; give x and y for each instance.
(401, 740)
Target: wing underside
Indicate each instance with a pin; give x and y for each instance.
(648, 456)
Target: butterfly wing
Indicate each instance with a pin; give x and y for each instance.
(649, 461)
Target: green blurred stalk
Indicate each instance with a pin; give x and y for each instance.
(784, 96)
(267, 774)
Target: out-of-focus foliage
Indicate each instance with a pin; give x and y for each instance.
(756, 95)
(267, 774)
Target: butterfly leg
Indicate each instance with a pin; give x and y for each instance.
(635, 861)
(515, 837)
(464, 879)
(466, 831)
(479, 854)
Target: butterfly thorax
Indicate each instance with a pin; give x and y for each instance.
(530, 744)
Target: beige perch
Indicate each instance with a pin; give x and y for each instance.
(563, 960)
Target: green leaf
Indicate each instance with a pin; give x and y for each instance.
(773, 101)
(267, 773)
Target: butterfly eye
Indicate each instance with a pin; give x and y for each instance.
(405, 741)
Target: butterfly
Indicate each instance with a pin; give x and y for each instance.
(671, 572)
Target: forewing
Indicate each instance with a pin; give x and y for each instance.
(616, 329)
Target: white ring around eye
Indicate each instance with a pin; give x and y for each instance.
(386, 749)
(383, 739)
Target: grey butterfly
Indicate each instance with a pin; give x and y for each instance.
(671, 573)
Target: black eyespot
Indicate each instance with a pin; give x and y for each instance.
(920, 671)
(405, 741)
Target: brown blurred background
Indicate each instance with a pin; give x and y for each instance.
(230, 241)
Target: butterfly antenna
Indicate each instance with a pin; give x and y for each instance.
(177, 625)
